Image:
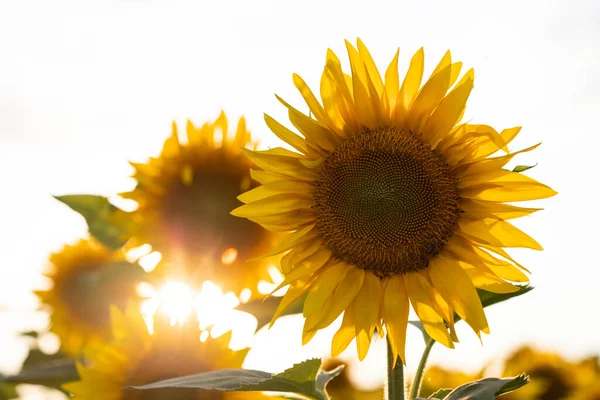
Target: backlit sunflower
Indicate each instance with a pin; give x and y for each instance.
(136, 358)
(391, 202)
(184, 198)
(87, 279)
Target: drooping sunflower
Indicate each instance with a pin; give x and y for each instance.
(184, 197)
(135, 357)
(391, 200)
(87, 279)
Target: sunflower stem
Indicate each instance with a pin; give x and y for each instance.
(415, 389)
(395, 376)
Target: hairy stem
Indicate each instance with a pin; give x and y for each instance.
(415, 390)
(395, 376)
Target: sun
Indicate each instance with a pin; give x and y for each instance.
(391, 201)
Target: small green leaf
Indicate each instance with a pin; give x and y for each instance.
(8, 392)
(37, 357)
(523, 168)
(50, 373)
(302, 381)
(263, 310)
(488, 388)
(440, 394)
(419, 326)
(99, 214)
(489, 298)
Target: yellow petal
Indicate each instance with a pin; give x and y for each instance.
(366, 311)
(496, 232)
(410, 87)
(242, 136)
(478, 168)
(279, 203)
(222, 124)
(321, 291)
(301, 235)
(306, 268)
(299, 253)
(316, 134)
(295, 291)
(313, 104)
(365, 112)
(395, 315)
(171, 148)
(420, 292)
(341, 298)
(508, 186)
(286, 135)
(487, 281)
(446, 115)
(474, 209)
(334, 103)
(276, 187)
(456, 288)
(263, 177)
(307, 335)
(372, 71)
(343, 337)
(281, 165)
(287, 221)
(392, 82)
(428, 98)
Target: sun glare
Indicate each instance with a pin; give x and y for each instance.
(214, 309)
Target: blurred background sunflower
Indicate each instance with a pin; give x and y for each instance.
(183, 201)
(86, 279)
(135, 357)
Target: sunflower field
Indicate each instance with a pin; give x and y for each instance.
(374, 232)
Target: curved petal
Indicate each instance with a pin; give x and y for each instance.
(456, 288)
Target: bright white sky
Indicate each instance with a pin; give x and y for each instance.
(87, 85)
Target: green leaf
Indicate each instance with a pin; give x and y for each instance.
(488, 388)
(302, 381)
(419, 326)
(523, 168)
(489, 298)
(8, 392)
(99, 214)
(263, 310)
(52, 374)
(37, 357)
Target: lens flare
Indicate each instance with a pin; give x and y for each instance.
(214, 309)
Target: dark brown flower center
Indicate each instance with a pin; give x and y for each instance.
(199, 230)
(93, 287)
(386, 201)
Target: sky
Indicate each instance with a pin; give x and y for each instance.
(87, 86)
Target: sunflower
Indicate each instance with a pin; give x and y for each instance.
(184, 197)
(134, 358)
(391, 201)
(87, 279)
(552, 376)
(436, 378)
